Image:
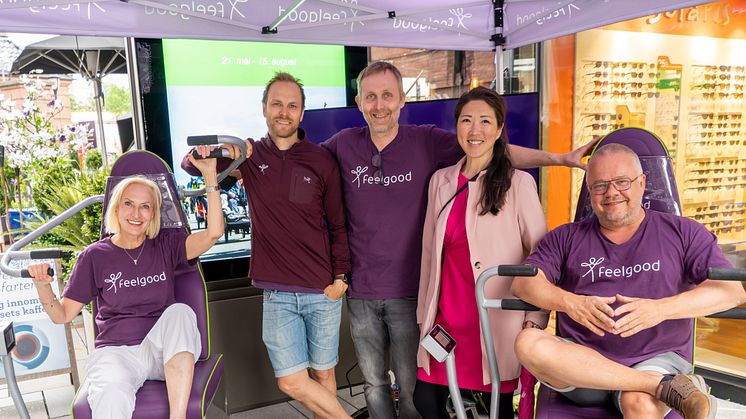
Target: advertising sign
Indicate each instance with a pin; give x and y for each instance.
(41, 346)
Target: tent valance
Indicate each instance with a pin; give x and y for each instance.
(431, 24)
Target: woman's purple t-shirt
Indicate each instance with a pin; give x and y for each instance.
(129, 297)
(666, 256)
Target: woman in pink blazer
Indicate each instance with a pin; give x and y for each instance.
(481, 213)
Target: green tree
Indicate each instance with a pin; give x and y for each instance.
(84, 105)
(116, 99)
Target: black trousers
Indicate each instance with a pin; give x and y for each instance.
(431, 399)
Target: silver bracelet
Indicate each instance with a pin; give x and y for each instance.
(212, 188)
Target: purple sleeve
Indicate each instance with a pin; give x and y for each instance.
(447, 150)
(188, 167)
(82, 286)
(174, 241)
(550, 255)
(331, 144)
(701, 251)
(335, 217)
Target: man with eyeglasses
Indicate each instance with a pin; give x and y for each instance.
(386, 168)
(626, 286)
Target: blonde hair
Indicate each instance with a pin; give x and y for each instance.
(111, 219)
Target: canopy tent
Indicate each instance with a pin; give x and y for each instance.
(431, 24)
(477, 25)
(90, 56)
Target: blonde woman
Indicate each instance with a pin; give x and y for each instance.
(142, 333)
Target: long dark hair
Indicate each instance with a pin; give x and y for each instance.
(496, 182)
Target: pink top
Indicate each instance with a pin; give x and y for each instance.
(457, 306)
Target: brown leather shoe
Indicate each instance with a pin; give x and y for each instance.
(687, 394)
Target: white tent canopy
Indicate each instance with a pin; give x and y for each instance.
(431, 24)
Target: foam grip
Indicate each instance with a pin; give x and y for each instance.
(26, 274)
(214, 154)
(45, 254)
(194, 140)
(519, 305)
(727, 274)
(517, 270)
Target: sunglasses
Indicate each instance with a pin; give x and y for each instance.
(377, 162)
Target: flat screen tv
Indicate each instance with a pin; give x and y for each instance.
(195, 87)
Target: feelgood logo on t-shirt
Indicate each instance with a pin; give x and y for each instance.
(596, 269)
(361, 177)
(116, 281)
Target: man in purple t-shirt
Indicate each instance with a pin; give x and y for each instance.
(626, 285)
(386, 169)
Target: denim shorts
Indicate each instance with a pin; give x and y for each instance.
(300, 331)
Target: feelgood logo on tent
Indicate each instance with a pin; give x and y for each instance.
(363, 178)
(623, 271)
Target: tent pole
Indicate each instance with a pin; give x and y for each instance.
(138, 129)
(100, 120)
(499, 80)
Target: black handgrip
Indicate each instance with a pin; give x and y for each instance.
(517, 270)
(734, 313)
(214, 154)
(25, 274)
(727, 274)
(519, 305)
(194, 140)
(45, 254)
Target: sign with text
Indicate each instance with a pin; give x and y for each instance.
(41, 345)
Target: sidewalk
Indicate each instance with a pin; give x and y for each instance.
(51, 397)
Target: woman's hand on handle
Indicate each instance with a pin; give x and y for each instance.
(205, 165)
(39, 273)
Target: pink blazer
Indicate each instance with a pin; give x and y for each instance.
(505, 238)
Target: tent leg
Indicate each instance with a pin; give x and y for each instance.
(100, 121)
(136, 93)
(499, 64)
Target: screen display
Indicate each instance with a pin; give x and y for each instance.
(215, 87)
(442, 338)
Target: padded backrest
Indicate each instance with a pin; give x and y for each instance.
(661, 193)
(189, 284)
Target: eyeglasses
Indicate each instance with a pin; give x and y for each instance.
(622, 184)
(377, 162)
(633, 74)
(601, 116)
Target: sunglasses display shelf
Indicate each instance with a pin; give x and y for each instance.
(714, 182)
(610, 95)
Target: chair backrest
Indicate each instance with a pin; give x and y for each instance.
(661, 193)
(189, 285)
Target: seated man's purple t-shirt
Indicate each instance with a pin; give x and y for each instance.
(385, 216)
(666, 256)
(129, 297)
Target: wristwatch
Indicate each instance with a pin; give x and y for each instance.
(342, 277)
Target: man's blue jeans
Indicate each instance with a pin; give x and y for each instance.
(380, 328)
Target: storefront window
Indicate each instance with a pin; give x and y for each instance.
(520, 73)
